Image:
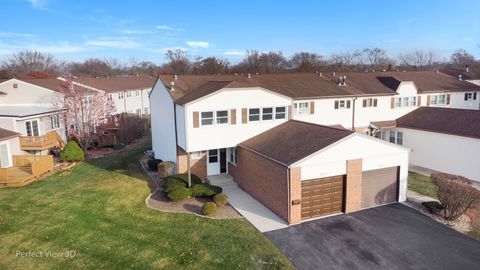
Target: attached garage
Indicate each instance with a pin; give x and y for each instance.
(302, 171)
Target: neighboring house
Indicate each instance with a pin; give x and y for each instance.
(441, 139)
(470, 74)
(128, 93)
(26, 108)
(207, 124)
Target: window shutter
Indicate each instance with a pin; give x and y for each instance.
(348, 104)
(428, 100)
(233, 116)
(419, 101)
(466, 96)
(289, 112)
(312, 107)
(475, 96)
(336, 104)
(392, 103)
(375, 102)
(244, 115)
(448, 99)
(364, 102)
(196, 120)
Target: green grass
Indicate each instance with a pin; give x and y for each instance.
(99, 212)
(421, 184)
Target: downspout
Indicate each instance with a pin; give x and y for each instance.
(353, 113)
(176, 135)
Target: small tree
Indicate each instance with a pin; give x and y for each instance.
(456, 194)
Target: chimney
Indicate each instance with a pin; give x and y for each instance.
(249, 76)
(172, 83)
(466, 68)
(175, 76)
(333, 74)
(460, 77)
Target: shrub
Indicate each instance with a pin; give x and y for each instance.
(209, 208)
(153, 164)
(205, 190)
(184, 177)
(455, 193)
(433, 207)
(165, 169)
(180, 194)
(72, 152)
(220, 199)
(172, 183)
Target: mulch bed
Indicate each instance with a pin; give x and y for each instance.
(158, 200)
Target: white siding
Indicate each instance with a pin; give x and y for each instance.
(163, 124)
(375, 154)
(225, 136)
(442, 152)
(181, 135)
(27, 93)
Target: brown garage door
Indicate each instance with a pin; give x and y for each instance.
(322, 196)
(379, 186)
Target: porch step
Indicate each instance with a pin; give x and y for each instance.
(220, 179)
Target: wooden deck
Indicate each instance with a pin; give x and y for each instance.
(40, 143)
(26, 170)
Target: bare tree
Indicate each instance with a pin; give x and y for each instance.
(419, 59)
(460, 58)
(25, 62)
(376, 58)
(210, 65)
(85, 109)
(306, 62)
(178, 62)
(93, 67)
(272, 62)
(345, 61)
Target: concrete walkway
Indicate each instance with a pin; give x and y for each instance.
(256, 213)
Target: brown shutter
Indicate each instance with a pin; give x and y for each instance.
(244, 115)
(233, 116)
(419, 101)
(392, 103)
(428, 100)
(348, 104)
(475, 96)
(466, 96)
(196, 120)
(375, 102)
(312, 107)
(289, 108)
(448, 99)
(336, 104)
(364, 103)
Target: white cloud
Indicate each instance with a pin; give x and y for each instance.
(168, 28)
(118, 43)
(235, 53)
(38, 4)
(13, 34)
(198, 44)
(137, 32)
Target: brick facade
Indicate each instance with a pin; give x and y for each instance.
(198, 166)
(353, 196)
(295, 194)
(263, 179)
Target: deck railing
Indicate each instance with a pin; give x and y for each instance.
(45, 142)
(25, 168)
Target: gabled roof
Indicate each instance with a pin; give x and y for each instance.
(26, 111)
(458, 122)
(6, 134)
(309, 85)
(472, 74)
(117, 84)
(291, 141)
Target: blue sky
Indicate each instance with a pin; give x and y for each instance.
(76, 30)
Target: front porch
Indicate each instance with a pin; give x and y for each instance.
(25, 170)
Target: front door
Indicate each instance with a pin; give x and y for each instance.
(216, 161)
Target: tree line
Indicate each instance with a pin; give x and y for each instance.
(34, 64)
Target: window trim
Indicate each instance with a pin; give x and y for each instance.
(296, 108)
(121, 95)
(233, 154)
(55, 121)
(196, 155)
(406, 102)
(272, 113)
(284, 112)
(201, 118)
(216, 117)
(217, 155)
(434, 99)
(259, 114)
(31, 126)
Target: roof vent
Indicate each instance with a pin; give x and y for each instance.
(342, 80)
(15, 85)
(320, 74)
(333, 74)
(175, 76)
(249, 76)
(460, 77)
(172, 83)
(466, 68)
(438, 71)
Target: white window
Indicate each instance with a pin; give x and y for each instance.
(438, 99)
(405, 102)
(233, 155)
(137, 93)
(129, 94)
(139, 111)
(370, 102)
(253, 114)
(396, 137)
(301, 108)
(196, 155)
(207, 118)
(280, 112)
(213, 156)
(145, 110)
(471, 96)
(120, 95)
(222, 117)
(31, 128)
(267, 113)
(342, 104)
(4, 156)
(55, 121)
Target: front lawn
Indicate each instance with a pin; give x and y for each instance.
(421, 184)
(99, 212)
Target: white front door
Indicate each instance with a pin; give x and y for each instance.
(4, 156)
(213, 162)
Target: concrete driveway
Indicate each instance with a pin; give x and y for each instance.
(388, 237)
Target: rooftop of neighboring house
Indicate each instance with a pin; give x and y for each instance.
(294, 140)
(25, 111)
(313, 85)
(117, 84)
(53, 84)
(6, 134)
(473, 73)
(459, 122)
